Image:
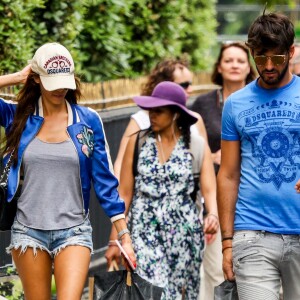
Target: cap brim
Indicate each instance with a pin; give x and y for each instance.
(148, 102)
(57, 82)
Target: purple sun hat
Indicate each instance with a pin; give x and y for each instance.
(164, 94)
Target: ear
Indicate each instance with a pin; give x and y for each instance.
(291, 51)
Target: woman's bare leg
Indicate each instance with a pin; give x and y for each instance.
(71, 266)
(35, 273)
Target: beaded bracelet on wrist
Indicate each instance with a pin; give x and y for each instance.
(122, 232)
(112, 243)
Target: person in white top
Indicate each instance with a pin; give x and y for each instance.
(167, 70)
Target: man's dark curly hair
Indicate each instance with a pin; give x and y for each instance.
(163, 71)
(271, 31)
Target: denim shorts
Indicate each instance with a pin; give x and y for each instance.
(52, 241)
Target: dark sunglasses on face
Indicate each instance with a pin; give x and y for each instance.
(276, 60)
(185, 84)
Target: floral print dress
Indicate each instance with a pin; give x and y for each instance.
(165, 228)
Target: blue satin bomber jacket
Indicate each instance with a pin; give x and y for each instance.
(85, 129)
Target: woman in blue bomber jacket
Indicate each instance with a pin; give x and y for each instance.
(58, 148)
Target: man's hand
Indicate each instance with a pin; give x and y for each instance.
(228, 264)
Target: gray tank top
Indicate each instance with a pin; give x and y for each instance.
(51, 194)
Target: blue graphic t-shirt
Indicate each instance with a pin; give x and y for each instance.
(267, 124)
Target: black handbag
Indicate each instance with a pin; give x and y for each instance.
(123, 285)
(227, 290)
(8, 210)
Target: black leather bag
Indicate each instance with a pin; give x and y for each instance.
(123, 285)
(227, 290)
(7, 209)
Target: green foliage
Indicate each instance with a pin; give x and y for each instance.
(102, 40)
(11, 290)
(297, 30)
(60, 21)
(273, 3)
(108, 38)
(16, 39)
(198, 35)
(129, 37)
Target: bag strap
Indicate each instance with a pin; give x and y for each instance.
(4, 175)
(197, 149)
(135, 155)
(140, 139)
(113, 266)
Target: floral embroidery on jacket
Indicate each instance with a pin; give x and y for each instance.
(86, 137)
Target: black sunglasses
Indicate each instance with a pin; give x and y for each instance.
(185, 84)
(276, 60)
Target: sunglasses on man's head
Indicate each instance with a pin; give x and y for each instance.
(185, 84)
(276, 60)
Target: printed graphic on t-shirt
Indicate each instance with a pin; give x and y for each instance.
(273, 129)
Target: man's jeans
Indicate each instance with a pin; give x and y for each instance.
(262, 261)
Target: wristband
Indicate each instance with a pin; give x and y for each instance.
(225, 248)
(227, 238)
(122, 232)
(111, 243)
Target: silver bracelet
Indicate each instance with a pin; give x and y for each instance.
(122, 232)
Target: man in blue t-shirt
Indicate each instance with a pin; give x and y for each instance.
(259, 208)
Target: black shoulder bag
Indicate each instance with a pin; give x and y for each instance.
(7, 209)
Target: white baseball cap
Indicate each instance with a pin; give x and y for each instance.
(55, 65)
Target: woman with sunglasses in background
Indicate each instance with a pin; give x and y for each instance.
(167, 70)
(232, 71)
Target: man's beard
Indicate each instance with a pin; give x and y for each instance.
(275, 80)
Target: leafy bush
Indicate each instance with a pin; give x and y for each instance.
(16, 38)
(11, 290)
(108, 38)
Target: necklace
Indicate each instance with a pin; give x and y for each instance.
(161, 145)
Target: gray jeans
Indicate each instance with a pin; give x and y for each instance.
(262, 261)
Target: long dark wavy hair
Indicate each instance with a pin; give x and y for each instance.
(163, 71)
(27, 99)
(183, 126)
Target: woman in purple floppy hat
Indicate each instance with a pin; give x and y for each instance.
(167, 235)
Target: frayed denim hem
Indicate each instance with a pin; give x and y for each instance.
(35, 247)
(24, 245)
(53, 241)
(62, 247)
